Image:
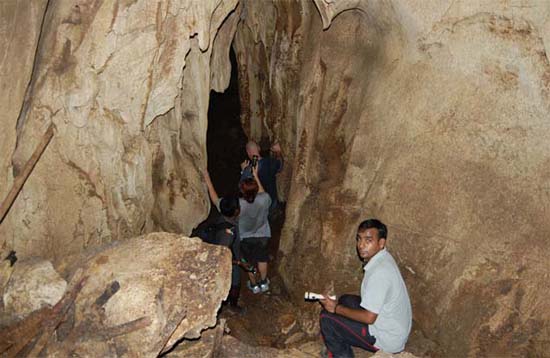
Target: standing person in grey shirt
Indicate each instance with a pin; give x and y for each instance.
(254, 229)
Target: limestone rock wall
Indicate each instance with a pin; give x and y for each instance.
(126, 85)
(20, 25)
(432, 116)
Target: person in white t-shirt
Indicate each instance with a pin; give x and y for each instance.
(381, 317)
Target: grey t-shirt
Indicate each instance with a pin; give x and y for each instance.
(383, 292)
(253, 218)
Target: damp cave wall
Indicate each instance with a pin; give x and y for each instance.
(432, 116)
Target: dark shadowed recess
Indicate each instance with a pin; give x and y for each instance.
(225, 138)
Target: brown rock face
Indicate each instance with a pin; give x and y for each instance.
(431, 116)
(20, 23)
(102, 73)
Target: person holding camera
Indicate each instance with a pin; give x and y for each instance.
(381, 317)
(268, 168)
(254, 229)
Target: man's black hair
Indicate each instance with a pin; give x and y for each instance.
(229, 206)
(374, 224)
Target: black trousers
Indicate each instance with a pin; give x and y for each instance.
(341, 333)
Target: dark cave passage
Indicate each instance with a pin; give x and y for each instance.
(225, 138)
(226, 141)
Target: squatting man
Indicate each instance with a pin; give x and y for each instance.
(381, 317)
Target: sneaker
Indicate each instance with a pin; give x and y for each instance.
(255, 289)
(264, 285)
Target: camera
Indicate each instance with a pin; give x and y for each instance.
(254, 161)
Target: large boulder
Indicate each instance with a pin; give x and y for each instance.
(33, 284)
(155, 289)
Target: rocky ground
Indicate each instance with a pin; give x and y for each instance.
(273, 325)
(274, 321)
(270, 326)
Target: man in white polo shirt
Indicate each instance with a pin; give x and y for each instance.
(381, 317)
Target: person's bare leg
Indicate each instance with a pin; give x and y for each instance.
(262, 267)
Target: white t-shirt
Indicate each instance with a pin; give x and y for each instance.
(383, 292)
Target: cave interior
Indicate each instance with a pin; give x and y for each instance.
(431, 116)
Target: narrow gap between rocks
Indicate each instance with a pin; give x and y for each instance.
(226, 141)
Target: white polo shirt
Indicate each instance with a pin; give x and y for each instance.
(383, 292)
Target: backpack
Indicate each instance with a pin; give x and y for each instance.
(208, 233)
